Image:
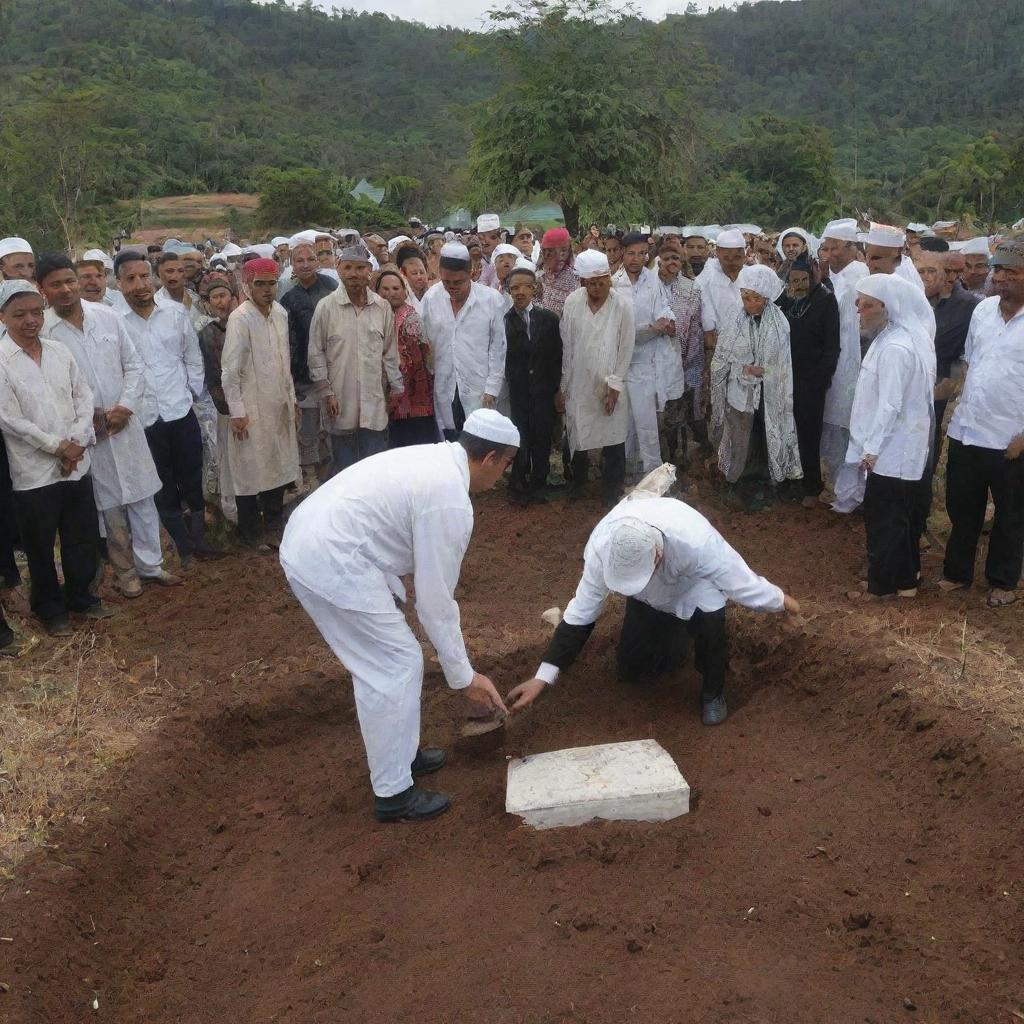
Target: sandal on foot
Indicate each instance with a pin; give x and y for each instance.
(1001, 598)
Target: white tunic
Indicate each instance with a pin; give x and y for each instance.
(40, 406)
(906, 269)
(699, 568)
(656, 359)
(469, 349)
(257, 379)
(892, 408)
(720, 297)
(839, 399)
(597, 349)
(123, 471)
(169, 347)
(403, 511)
(990, 413)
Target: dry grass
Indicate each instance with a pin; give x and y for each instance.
(68, 715)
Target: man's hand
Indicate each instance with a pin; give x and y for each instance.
(481, 691)
(1015, 448)
(525, 694)
(488, 401)
(790, 605)
(664, 325)
(868, 462)
(753, 371)
(559, 402)
(611, 399)
(331, 407)
(945, 389)
(117, 418)
(240, 427)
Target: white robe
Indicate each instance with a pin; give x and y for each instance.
(597, 349)
(123, 471)
(720, 297)
(257, 379)
(469, 349)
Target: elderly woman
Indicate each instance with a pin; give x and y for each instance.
(556, 279)
(410, 414)
(752, 393)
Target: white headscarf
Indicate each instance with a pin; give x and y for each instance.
(592, 263)
(760, 279)
(906, 307)
(809, 239)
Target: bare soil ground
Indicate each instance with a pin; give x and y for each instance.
(205, 851)
(191, 218)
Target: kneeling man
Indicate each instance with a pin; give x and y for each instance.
(677, 573)
(405, 511)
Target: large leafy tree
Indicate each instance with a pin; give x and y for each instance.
(580, 116)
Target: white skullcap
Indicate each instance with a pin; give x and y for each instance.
(280, 240)
(885, 235)
(490, 425)
(668, 229)
(744, 229)
(301, 238)
(9, 246)
(9, 289)
(693, 231)
(524, 264)
(96, 256)
(397, 241)
(230, 249)
(591, 263)
(731, 238)
(760, 279)
(488, 222)
(976, 247)
(631, 557)
(265, 250)
(918, 229)
(455, 251)
(504, 250)
(842, 230)
(943, 225)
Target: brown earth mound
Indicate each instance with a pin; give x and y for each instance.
(853, 853)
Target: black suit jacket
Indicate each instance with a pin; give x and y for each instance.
(533, 363)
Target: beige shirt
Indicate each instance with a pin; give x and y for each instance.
(351, 351)
(257, 379)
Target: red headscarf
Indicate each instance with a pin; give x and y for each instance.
(258, 267)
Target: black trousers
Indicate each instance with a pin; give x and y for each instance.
(653, 642)
(67, 510)
(613, 470)
(808, 413)
(973, 473)
(895, 513)
(177, 450)
(535, 418)
(8, 524)
(269, 503)
(414, 430)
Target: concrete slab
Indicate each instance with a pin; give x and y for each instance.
(634, 781)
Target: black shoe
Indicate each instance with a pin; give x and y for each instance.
(414, 804)
(429, 760)
(714, 711)
(98, 611)
(209, 553)
(58, 626)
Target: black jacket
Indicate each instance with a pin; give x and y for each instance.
(813, 338)
(533, 363)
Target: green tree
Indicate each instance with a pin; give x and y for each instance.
(300, 196)
(574, 119)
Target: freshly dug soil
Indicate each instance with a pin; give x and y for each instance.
(853, 853)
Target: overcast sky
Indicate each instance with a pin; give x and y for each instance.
(470, 13)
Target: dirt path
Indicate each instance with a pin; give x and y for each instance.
(853, 854)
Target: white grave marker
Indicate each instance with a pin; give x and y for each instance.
(635, 781)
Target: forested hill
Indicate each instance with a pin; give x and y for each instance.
(178, 96)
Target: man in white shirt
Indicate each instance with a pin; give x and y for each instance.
(986, 438)
(891, 430)
(677, 574)
(345, 549)
(169, 347)
(17, 260)
(883, 253)
(488, 230)
(465, 322)
(92, 267)
(46, 411)
(651, 381)
(170, 269)
(124, 476)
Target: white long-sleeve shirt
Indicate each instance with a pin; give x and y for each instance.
(990, 413)
(169, 347)
(123, 471)
(699, 569)
(42, 405)
(720, 297)
(469, 349)
(892, 407)
(839, 400)
(656, 357)
(404, 511)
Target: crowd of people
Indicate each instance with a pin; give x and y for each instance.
(160, 385)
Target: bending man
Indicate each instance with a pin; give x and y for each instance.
(677, 573)
(405, 511)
